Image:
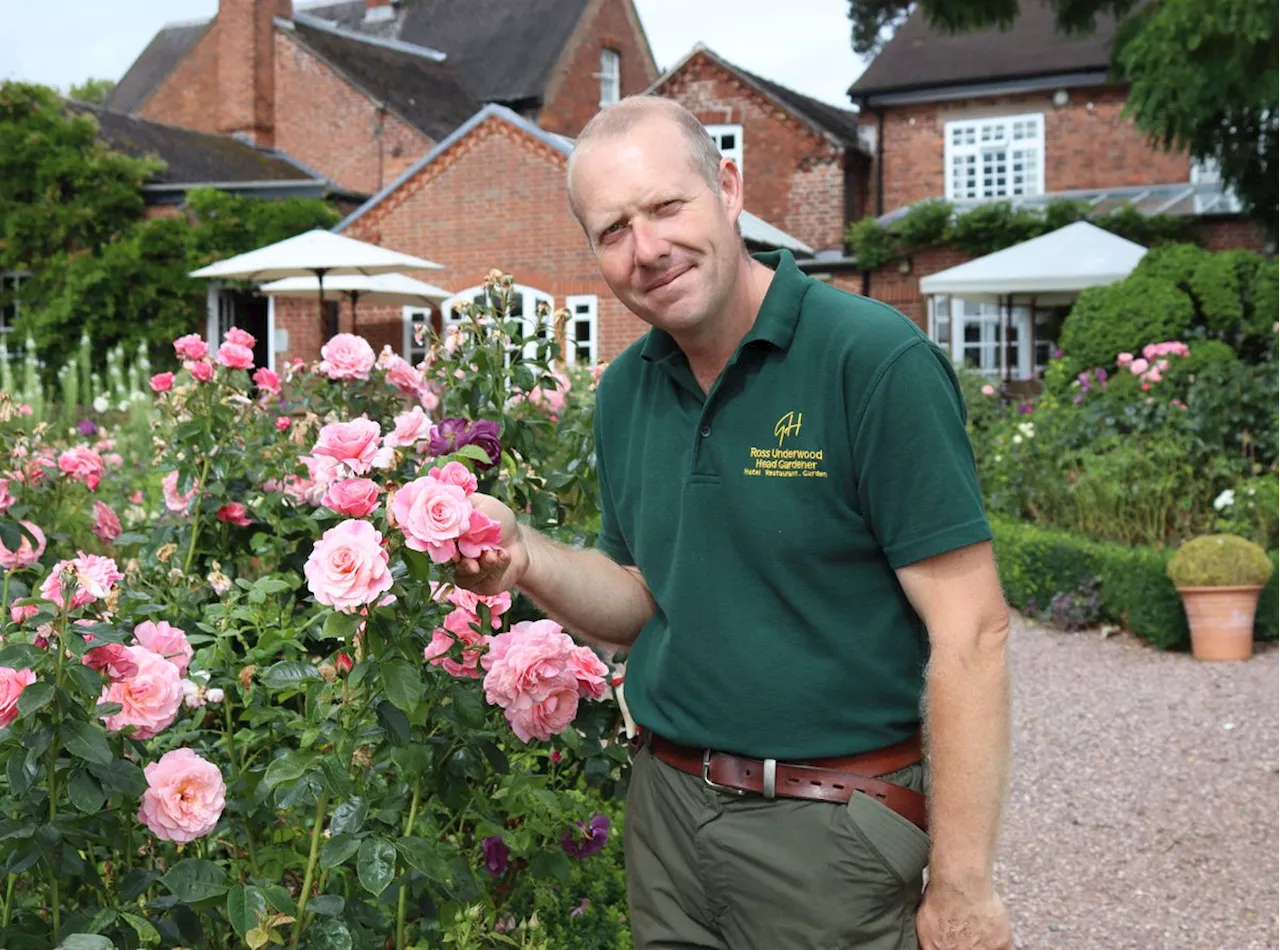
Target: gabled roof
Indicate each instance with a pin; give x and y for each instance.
(754, 230)
(162, 55)
(193, 157)
(919, 58)
(420, 88)
(839, 125)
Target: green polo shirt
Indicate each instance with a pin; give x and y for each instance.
(768, 516)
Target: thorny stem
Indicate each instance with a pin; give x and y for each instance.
(310, 875)
(404, 891)
(195, 518)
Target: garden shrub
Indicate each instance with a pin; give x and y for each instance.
(1217, 560)
(1174, 263)
(994, 225)
(1122, 317)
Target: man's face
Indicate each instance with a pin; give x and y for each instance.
(665, 241)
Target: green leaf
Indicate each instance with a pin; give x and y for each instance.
(326, 905)
(86, 794)
(348, 818)
(20, 656)
(87, 681)
(21, 775)
(121, 775)
(426, 857)
(280, 899)
(245, 905)
(551, 864)
(339, 626)
(101, 921)
(37, 740)
(35, 696)
(195, 879)
(335, 776)
(289, 673)
(395, 724)
(146, 933)
(376, 864)
(286, 768)
(337, 850)
(328, 934)
(420, 567)
(15, 828)
(470, 707)
(86, 741)
(135, 883)
(86, 942)
(403, 683)
(473, 452)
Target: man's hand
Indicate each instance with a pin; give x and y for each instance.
(503, 567)
(951, 918)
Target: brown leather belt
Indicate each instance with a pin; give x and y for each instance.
(824, 780)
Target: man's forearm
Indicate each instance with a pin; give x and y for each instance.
(967, 723)
(586, 591)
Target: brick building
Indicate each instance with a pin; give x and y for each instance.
(1026, 116)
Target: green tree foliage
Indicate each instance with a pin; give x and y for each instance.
(1202, 74)
(94, 91)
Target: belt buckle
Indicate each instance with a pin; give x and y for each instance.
(706, 777)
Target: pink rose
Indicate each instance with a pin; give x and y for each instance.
(348, 566)
(161, 382)
(82, 464)
(532, 672)
(1124, 359)
(113, 460)
(1138, 367)
(282, 423)
(322, 471)
(24, 409)
(411, 427)
(355, 497)
(455, 473)
(347, 356)
(234, 356)
(498, 604)
(591, 672)
(354, 443)
(185, 797)
(151, 697)
(201, 372)
(402, 375)
(462, 625)
(95, 576)
(234, 513)
(20, 613)
(115, 658)
(106, 525)
(166, 640)
(6, 499)
(190, 347)
(988, 390)
(24, 557)
(482, 534)
(432, 516)
(135, 498)
(440, 644)
(267, 380)
(1153, 375)
(12, 683)
(172, 500)
(240, 337)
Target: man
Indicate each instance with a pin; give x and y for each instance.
(791, 529)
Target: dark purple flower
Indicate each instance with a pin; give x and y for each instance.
(1026, 408)
(87, 427)
(453, 433)
(485, 435)
(1101, 374)
(1057, 353)
(588, 840)
(444, 437)
(496, 855)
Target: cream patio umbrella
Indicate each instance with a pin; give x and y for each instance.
(318, 254)
(394, 289)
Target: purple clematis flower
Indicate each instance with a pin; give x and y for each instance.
(496, 855)
(589, 840)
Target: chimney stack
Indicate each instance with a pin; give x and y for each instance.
(246, 67)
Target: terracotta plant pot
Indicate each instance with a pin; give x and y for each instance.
(1221, 620)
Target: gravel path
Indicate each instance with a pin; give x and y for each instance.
(1143, 802)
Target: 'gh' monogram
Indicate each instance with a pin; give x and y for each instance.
(788, 426)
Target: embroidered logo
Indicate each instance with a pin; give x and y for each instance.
(788, 426)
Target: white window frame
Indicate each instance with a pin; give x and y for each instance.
(982, 144)
(1210, 173)
(610, 76)
(451, 312)
(10, 281)
(584, 310)
(411, 317)
(735, 152)
(958, 314)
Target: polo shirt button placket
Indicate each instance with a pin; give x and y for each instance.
(705, 431)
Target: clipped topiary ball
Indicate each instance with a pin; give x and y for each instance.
(1219, 560)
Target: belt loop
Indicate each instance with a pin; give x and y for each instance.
(770, 778)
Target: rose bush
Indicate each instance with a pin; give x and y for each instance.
(249, 707)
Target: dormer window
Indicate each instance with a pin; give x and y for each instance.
(728, 139)
(610, 77)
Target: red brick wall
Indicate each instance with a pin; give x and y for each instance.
(900, 290)
(494, 199)
(1221, 234)
(188, 96)
(325, 123)
(1088, 144)
(246, 68)
(793, 176)
(573, 94)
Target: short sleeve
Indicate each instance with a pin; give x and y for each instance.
(610, 541)
(917, 483)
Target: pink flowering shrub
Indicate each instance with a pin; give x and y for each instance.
(185, 797)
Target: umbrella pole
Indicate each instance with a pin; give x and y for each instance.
(333, 329)
(355, 297)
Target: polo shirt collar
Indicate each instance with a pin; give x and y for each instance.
(775, 323)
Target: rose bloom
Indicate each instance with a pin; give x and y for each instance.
(411, 428)
(498, 604)
(240, 337)
(106, 524)
(25, 556)
(267, 380)
(166, 640)
(1138, 367)
(234, 356)
(482, 534)
(455, 473)
(452, 434)
(282, 423)
(528, 674)
(347, 568)
(82, 464)
(162, 382)
(355, 497)
(432, 516)
(354, 443)
(115, 658)
(190, 347)
(151, 697)
(234, 513)
(95, 576)
(1123, 359)
(202, 371)
(402, 375)
(113, 460)
(20, 612)
(347, 356)
(6, 499)
(185, 797)
(172, 500)
(12, 683)
(323, 472)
